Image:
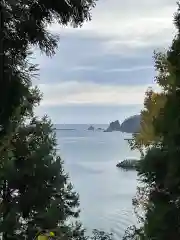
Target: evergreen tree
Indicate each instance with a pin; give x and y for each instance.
(160, 169)
(31, 196)
(37, 193)
(23, 23)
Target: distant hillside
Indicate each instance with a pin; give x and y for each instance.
(131, 124)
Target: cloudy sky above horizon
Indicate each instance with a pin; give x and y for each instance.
(101, 71)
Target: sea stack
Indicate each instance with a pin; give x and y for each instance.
(114, 126)
(91, 128)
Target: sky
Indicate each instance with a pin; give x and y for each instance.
(101, 71)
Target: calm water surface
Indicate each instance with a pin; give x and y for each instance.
(105, 191)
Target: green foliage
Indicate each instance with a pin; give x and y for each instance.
(24, 24)
(37, 192)
(160, 167)
(101, 235)
(133, 233)
(128, 164)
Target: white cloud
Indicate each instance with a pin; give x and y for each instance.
(131, 69)
(111, 70)
(131, 30)
(92, 93)
(83, 68)
(130, 23)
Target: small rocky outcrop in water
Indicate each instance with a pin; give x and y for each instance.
(128, 164)
(91, 128)
(100, 129)
(114, 126)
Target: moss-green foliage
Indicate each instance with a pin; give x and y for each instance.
(159, 170)
(128, 164)
(35, 191)
(24, 24)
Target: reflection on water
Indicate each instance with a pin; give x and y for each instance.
(106, 192)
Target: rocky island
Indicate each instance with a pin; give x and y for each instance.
(100, 129)
(129, 125)
(128, 164)
(91, 128)
(114, 126)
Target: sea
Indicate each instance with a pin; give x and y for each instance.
(105, 191)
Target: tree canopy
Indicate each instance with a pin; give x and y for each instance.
(160, 167)
(36, 193)
(24, 23)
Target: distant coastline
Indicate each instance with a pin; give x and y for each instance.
(129, 125)
(78, 127)
(65, 129)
